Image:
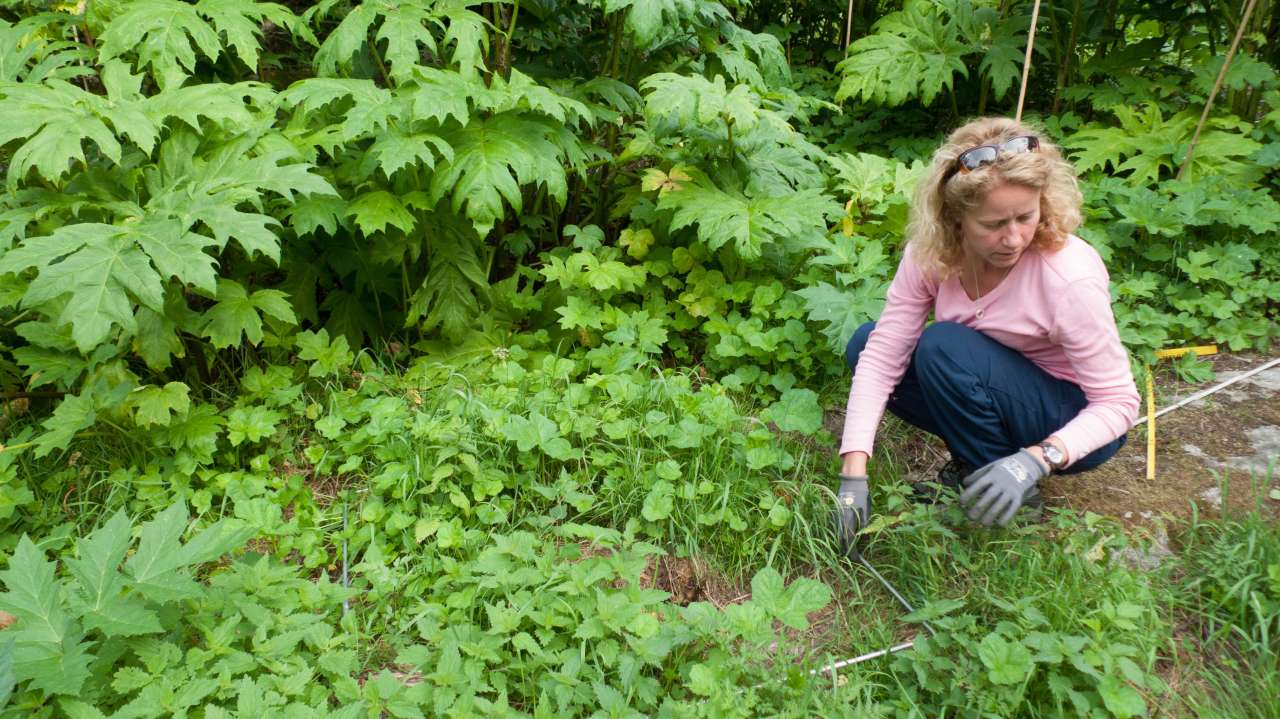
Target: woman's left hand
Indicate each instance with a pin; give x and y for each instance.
(994, 493)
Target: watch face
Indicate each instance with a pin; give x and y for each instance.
(1052, 453)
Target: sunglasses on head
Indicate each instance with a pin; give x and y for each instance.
(976, 157)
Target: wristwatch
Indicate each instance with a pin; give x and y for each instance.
(1053, 456)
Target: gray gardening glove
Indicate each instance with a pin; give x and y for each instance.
(853, 509)
(995, 492)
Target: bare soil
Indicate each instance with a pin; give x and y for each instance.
(1213, 452)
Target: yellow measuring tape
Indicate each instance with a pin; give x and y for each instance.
(1199, 351)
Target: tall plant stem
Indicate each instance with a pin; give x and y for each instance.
(502, 50)
(1068, 54)
(615, 50)
(733, 150)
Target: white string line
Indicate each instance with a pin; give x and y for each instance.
(1205, 393)
(865, 657)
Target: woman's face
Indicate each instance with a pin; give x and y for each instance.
(996, 232)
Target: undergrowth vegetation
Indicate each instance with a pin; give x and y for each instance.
(382, 359)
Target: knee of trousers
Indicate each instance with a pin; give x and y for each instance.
(856, 344)
(940, 345)
(941, 339)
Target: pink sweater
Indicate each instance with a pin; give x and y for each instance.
(1053, 308)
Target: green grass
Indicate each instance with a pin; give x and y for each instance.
(1225, 590)
(434, 468)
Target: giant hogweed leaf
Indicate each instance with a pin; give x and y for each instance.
(492, 158)
(241, 22)
(373, 211)
(648, 21)
(161, 33)
(102, 269)
(30, 51)
(33, 595)
(870, 180)
(695, 100)
(913, 53)
(395, 149)
(1098, 145)
(1147, 143)
(769, 67)
(456, 284)
(55, 118)
(468, 34)
(405, 26)
(7, 680)
(158, 568)
(404, 30)
(843, 310)
(441, 94)
(50, 367)
(238, 313)
(165, 35)
(105, 267)
(211, 189)
(225, 104)
(1002, 65)
(521, 92)
(368, 113)
(176, 252)
(618, 97)
(748, 223)
(99, 594)
(48, 651)
(346, 39)
(1002, 39)
(1219, 151)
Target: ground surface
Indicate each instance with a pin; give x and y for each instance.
(1222, 449)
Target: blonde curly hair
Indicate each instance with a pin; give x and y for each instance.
(944, 195)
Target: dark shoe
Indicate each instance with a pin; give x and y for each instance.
(950, 477)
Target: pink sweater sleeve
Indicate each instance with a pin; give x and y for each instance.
(888, 352)
(1086, 329)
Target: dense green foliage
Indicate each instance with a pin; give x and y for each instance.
(495, 304)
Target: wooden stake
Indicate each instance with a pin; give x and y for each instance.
(848, 27)
(1151, 426)
(1026, 62)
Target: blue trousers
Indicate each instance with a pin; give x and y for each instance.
(985, 400)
